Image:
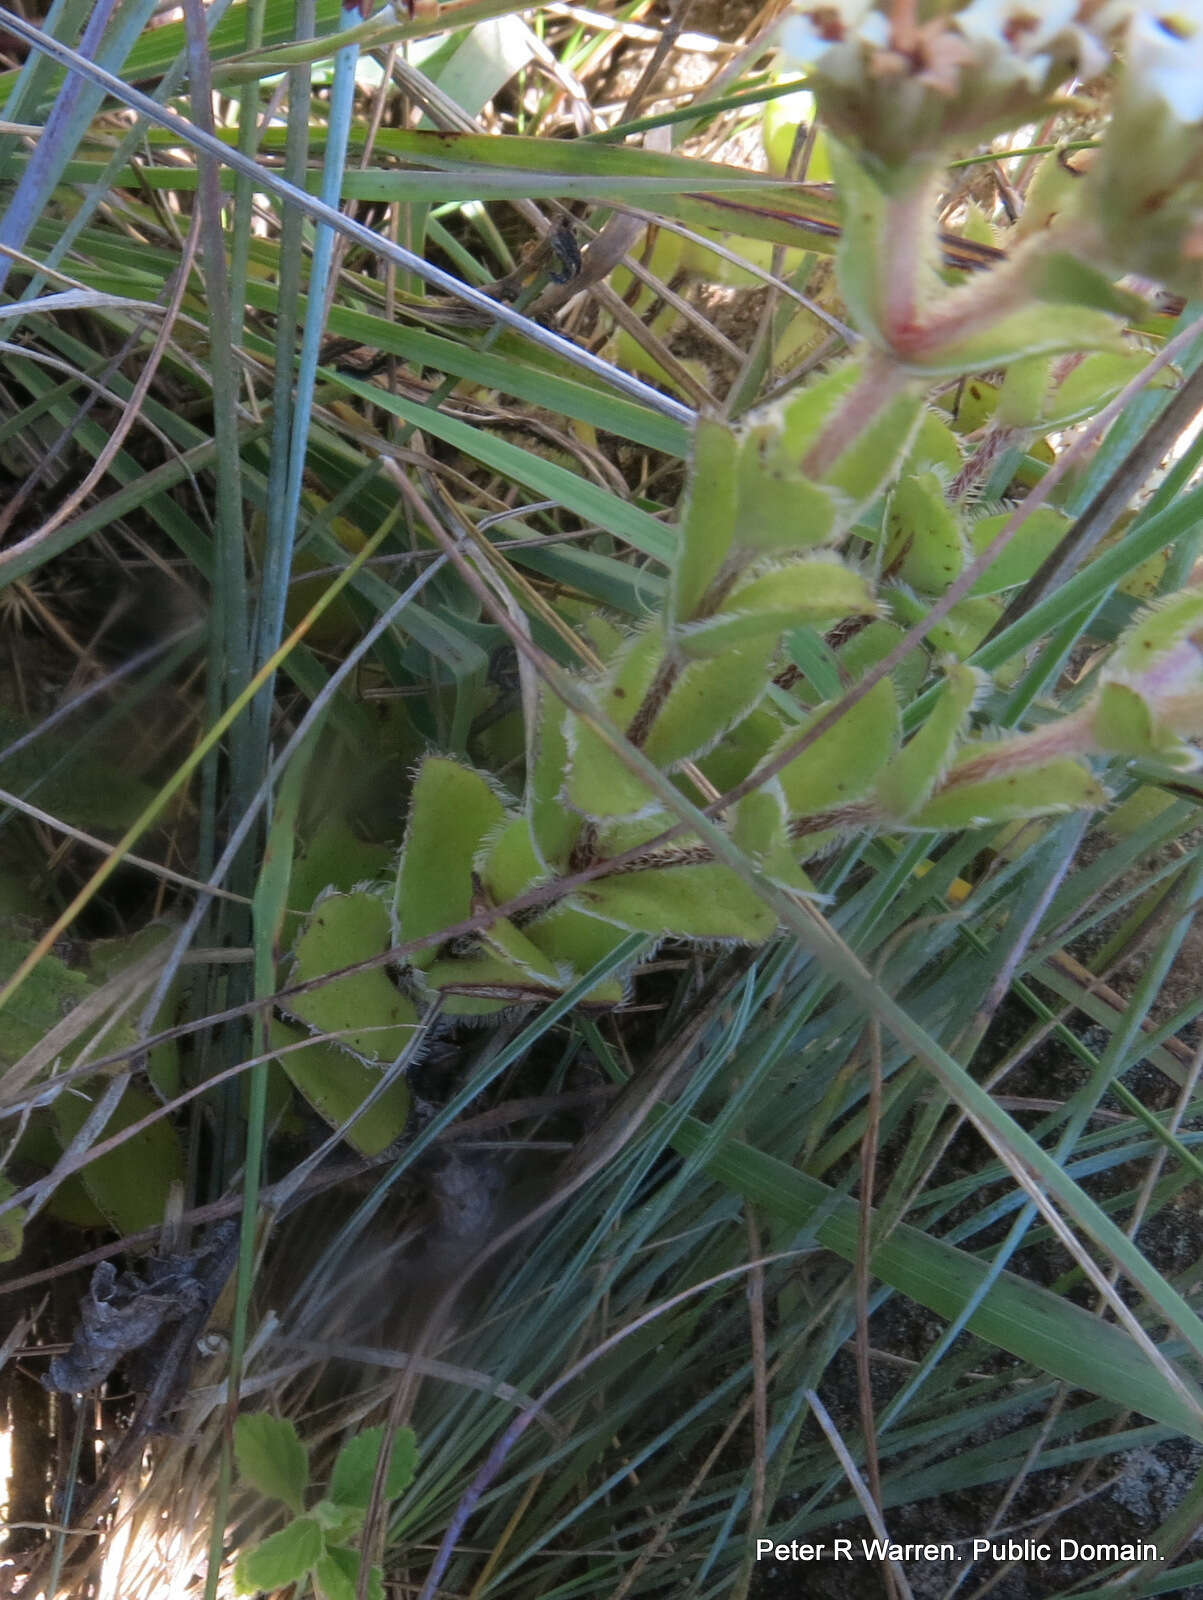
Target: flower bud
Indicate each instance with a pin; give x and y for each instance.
(902, 92)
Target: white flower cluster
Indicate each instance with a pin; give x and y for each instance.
(1011, 38)
(831, 33)
(1011, 41)
(1017, 37)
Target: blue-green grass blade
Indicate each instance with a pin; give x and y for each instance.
(1022, 1318)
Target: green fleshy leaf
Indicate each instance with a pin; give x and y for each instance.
(355, 1467)
(623, 834)
(1025, 388)
(1039, 393)
(779, 510)
(707, 698)
(485, 985)
(633, 354)
(816, 591)
(131, 1184)
(1038, 791)
(759, 819)
(1094, 382)
(366, 1011)
(978, 227)
(554, 829)
(487, 982)
(629, 675)
(479, 986)
(1035, 330)
(451, 812)
(334, 858)
(781, 119)
(598, 782)
(1125, 724)
(688, 902)
(1037, 536)
(966, 626)
(925, 546)
(603, 636)
(284, 1558)
(914, 772)
(47, 995)
(740, 752)
(873, 455)
(807, 408)
(961, 631)
(1158, 660)
(19, 895)
(708, 518)
(867, 646)
(573, 938)
(272, 1459)
(663, 258)
(335, 1083)
(842, 763)
(508, 864)
(760, 827)
(502, 745)
(620, 834)
(512, 945)
(504, 967)
(970, 404)
(1068, 280)
(1123, 721)
(935, 448)
(12, 1224)
(108, 957)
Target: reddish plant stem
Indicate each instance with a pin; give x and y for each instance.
(879, 383)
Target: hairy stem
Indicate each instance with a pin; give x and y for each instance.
(879, 383)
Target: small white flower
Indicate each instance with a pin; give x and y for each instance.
(1022, 36)
(1018, 24)
(808, 33)
(1165, 55)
